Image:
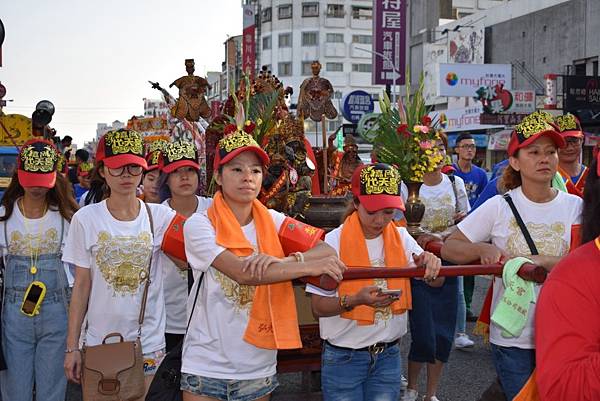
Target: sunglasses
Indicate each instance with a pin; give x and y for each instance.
(132, 169)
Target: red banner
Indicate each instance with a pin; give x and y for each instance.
(249, 41)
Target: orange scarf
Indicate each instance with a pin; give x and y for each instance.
(273, 322)
(354, 252)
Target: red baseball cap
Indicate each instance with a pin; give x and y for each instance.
(153, 159)
(84, 168)
(179, 154)
(377, 186)
(37, 162)
(569, 126)
(534, 126)
(120, 148)
(235, 143)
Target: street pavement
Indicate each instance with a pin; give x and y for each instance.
(465, 377)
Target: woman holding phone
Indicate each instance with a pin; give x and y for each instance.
(363, 320)
(35, 214)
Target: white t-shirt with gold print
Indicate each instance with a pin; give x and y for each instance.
(118, 253)
(214, 345)
(387, 327)
(24, 234)
(549, 225)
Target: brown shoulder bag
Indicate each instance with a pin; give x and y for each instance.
(115, 371)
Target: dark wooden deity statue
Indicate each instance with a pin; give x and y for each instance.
(191, 103)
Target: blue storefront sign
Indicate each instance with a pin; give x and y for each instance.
(481, 139)
(356, 104)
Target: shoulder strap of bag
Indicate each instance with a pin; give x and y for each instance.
(452, 179)
(195, 300)
(145, 295)
(528, 239)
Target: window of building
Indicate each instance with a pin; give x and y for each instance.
(307, 68)
(310, 9)
(335, 10)
(595, 68)
(334, 67)
(285, 40)
(361, 67)
(362, 39)
(266, 42)
(284, 69)
(359, 12)
(266, 14)
(580, 69)
(284, 11)
(335, 38)
(310, 38)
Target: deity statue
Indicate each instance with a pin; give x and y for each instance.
(314, 100)
(191, 103)
(342, 166)
(287, 185)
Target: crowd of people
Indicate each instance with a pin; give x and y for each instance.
(85, 261)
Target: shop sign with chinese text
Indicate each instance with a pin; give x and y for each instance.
(581, 92)
(389, 42)
(496, 99)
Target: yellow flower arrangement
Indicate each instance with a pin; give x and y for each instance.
(405, 136)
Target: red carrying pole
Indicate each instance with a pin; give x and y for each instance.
(528, 272)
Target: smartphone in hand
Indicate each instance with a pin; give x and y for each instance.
(391, 293)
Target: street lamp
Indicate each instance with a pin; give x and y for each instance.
(396, 71)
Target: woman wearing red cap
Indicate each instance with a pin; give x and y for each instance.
(150, 186)
(245, 309)
(179, 185)
(492, 234)
(36, 288)
(115, 246)
(363, 320)
(568, 312)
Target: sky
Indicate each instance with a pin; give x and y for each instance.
(93, 58)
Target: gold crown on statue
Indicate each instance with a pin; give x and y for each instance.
(291, 129)
(265, 82)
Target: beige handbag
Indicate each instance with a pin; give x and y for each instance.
(115, 371)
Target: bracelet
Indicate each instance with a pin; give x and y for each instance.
(344, 303)
(70, 350)
(299, 257)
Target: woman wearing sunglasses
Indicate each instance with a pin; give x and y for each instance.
(112, 243)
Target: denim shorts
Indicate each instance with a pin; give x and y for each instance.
(228, 389)
(152, 361)
(432, 320)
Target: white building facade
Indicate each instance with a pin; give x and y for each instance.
(292, 34)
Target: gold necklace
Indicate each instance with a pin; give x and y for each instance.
(34, 253)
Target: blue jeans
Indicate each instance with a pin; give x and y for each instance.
(432, 321)
(34, 345)
(513, 366)
(461, 311)
(349, 375)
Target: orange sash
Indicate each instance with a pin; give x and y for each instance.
(273, 322)
(354, 252)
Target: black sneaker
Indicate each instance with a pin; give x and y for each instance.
(471, 317)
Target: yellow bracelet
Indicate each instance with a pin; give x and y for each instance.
(344, 303)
